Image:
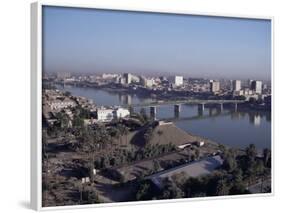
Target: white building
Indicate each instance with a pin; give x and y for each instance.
(128, 78)
(177, 80)
(214, 86)
(256, 86)
(108, 76)
(105, 114)
(121, 113)
(147, 82)
(236, 85)
(59, 105)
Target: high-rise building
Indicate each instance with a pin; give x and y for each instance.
(256, 86)
(214, 86)
(128, 78)
(178, 80)
(236, 85)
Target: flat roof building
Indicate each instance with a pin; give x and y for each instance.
(195, 169)
(236, 85)
(214, 86)
(256, 86)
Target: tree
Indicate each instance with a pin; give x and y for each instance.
(143, 192)
(171, 190)
(229, 163)
(197, 153)
(222, 188)
(156, 166)
(143, 115)
(238, 188)
(238, 175)
(251, 152)
(123, 130)
(259, 168)
(266, 157)
(222, 148)
(148, 134)
(63, 120)
(77, 122)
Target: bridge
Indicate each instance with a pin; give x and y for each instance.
(177, 105)
(190, 101)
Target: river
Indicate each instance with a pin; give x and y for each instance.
(235, 129)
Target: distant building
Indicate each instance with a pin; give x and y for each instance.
(108, 76)
(247, 91)
(256, 86)
(214, 86)
(236, 85)
(127, 77)
(135, 79)
(163, 78)
(63, 75)
(146, 82)
(177, 80)
(121, 80)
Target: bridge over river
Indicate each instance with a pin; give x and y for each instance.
(177, 104)
(191, 101)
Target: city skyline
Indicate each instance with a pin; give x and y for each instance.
(95, 41)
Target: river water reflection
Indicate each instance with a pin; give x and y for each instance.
(235, 129)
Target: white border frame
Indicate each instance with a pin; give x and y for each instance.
(36, 101)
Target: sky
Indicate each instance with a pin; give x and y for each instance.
(78, 40)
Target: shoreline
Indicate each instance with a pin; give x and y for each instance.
(190, 133)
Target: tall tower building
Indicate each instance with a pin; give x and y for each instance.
(236, 85)
(214, 86)
(178, 80)
(128, 78)
(256, 86)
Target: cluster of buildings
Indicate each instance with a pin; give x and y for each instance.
(128, 78)
(109, 114)
(252, 89)
(55, 101)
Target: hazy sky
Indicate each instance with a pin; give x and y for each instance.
(95, 41)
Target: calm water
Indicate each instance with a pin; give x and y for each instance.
(236, 129)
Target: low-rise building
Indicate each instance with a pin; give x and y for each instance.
(59, 105)
(121, 113)
(106, 115)
(195, 169)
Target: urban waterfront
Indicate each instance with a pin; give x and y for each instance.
(161, 107)
(230, 128)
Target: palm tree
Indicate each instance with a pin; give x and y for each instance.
(251, 152)
(266, 156)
